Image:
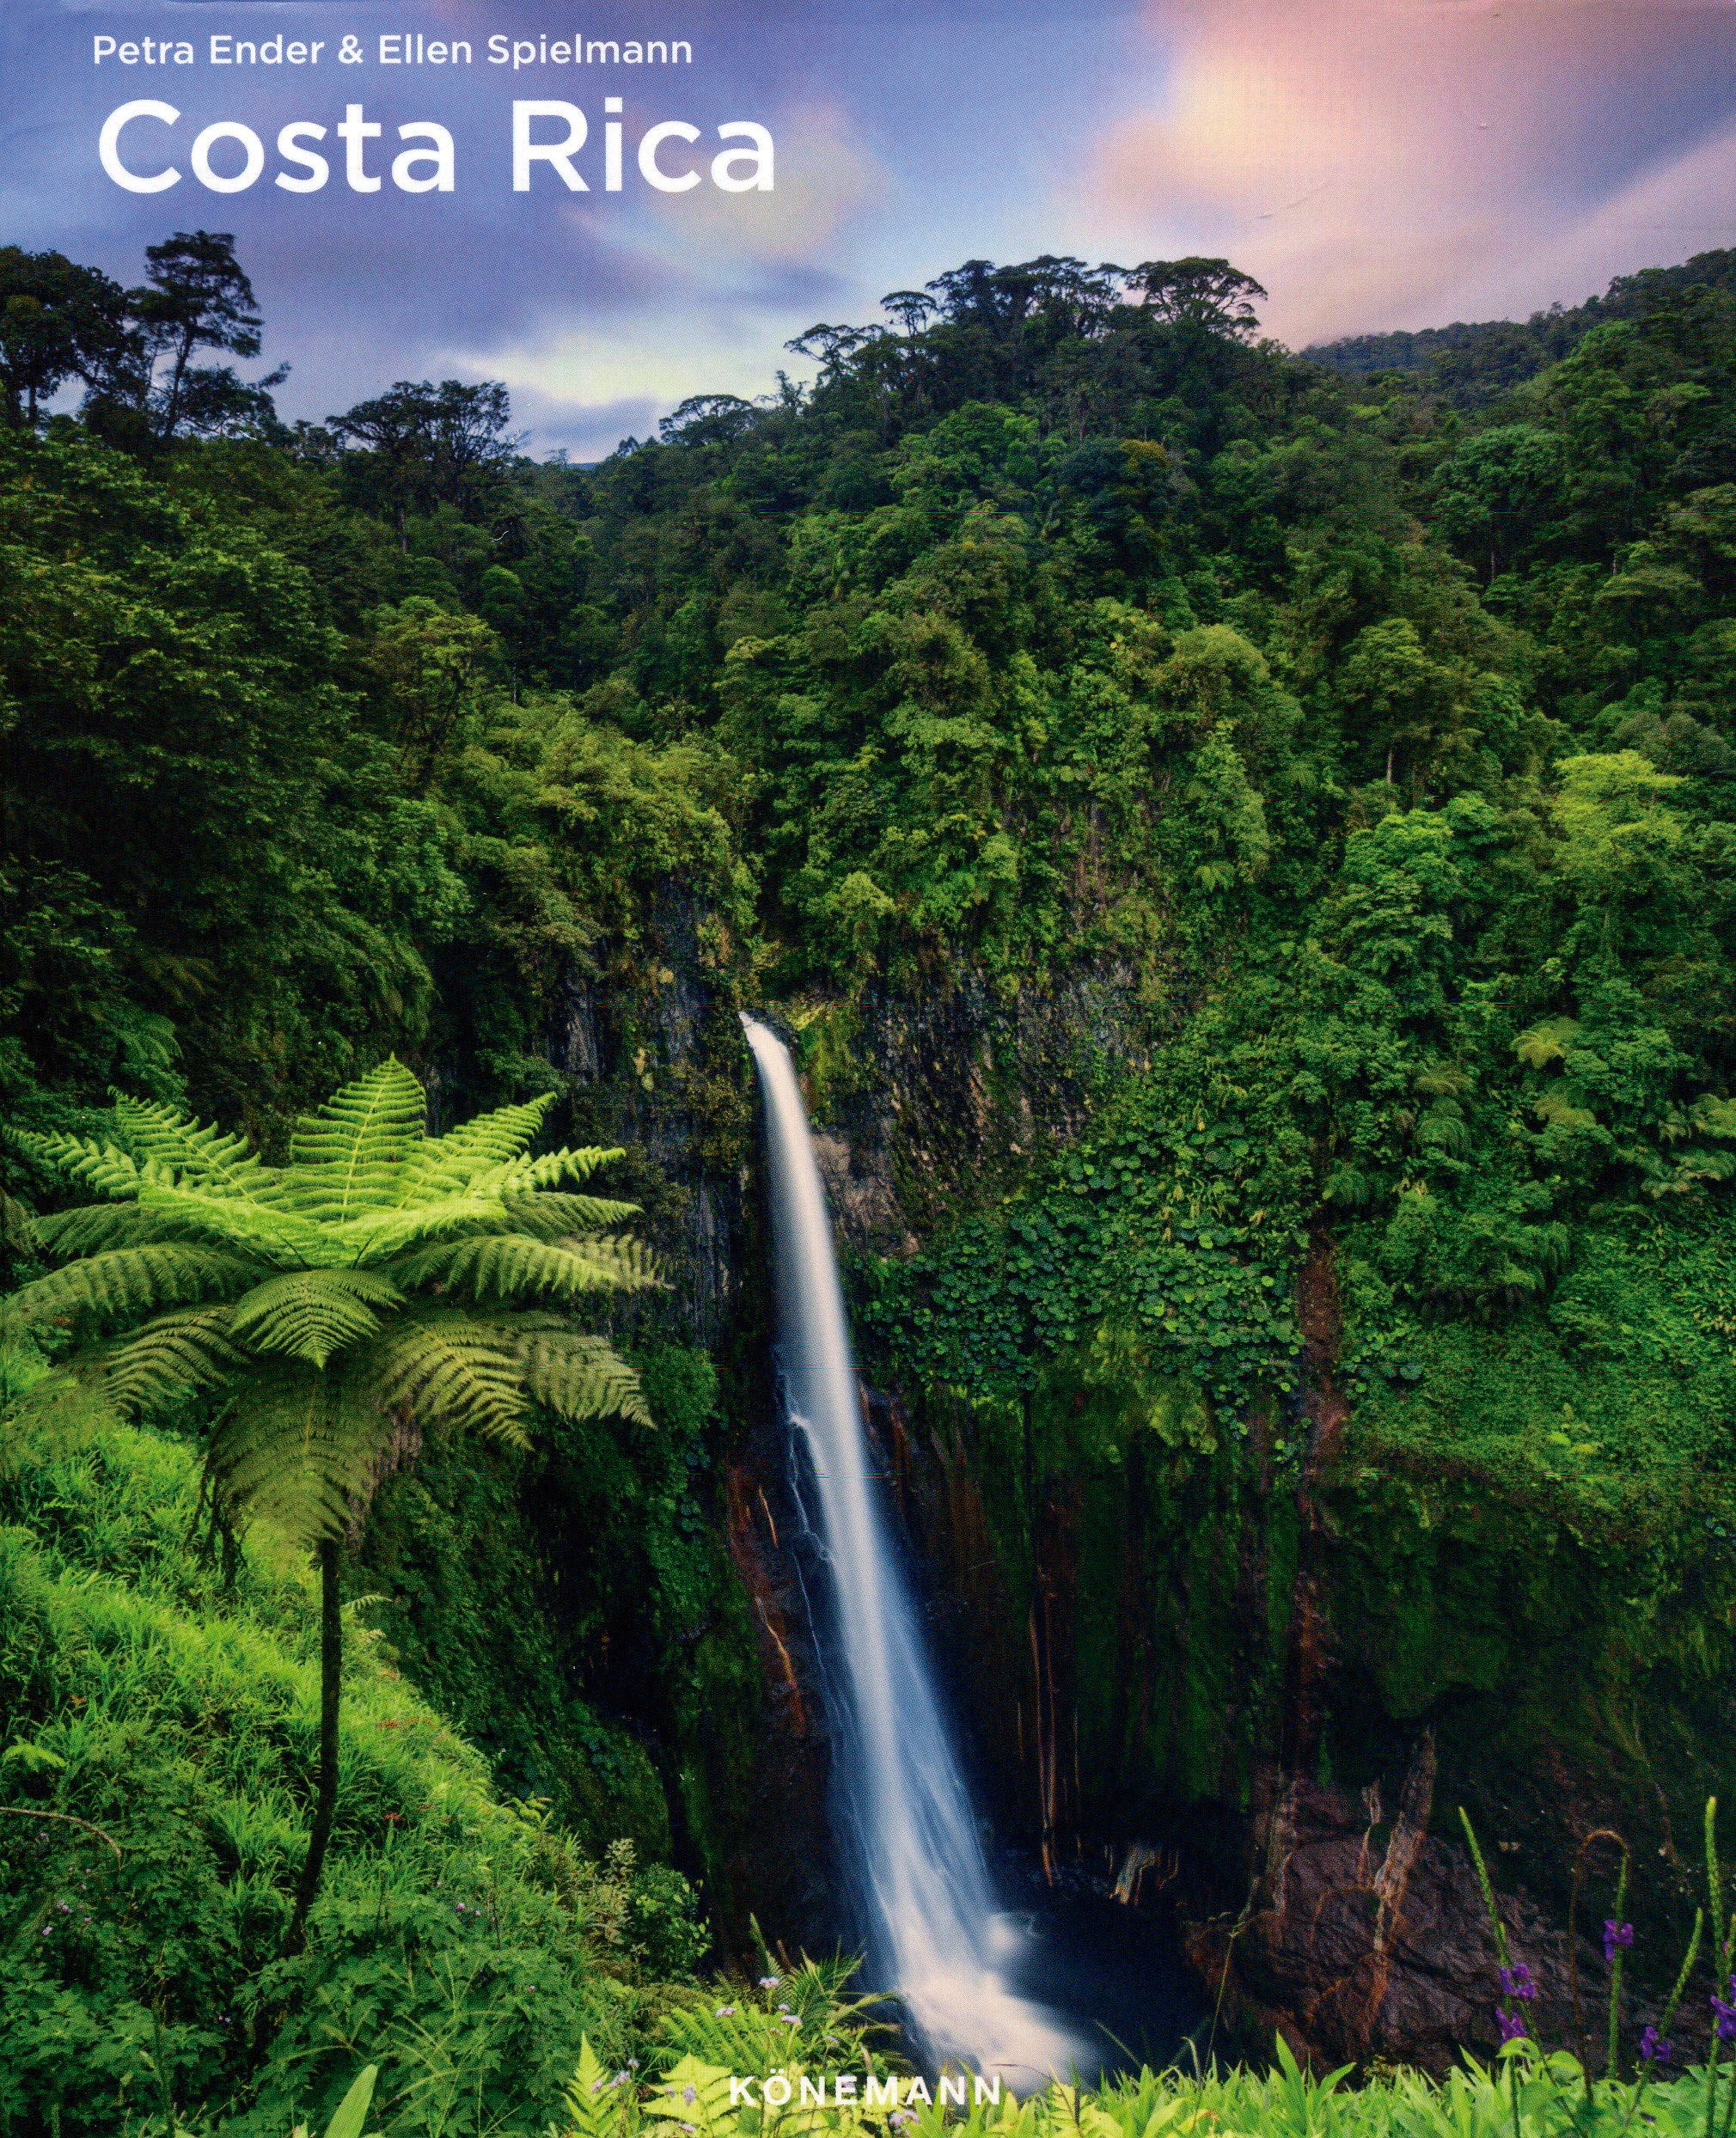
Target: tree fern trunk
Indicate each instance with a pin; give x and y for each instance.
(326, 1800)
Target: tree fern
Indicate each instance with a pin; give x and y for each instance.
(383, 1278)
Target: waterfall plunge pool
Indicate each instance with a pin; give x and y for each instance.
(1113, 1975)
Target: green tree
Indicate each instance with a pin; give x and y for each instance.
(330, 1312)
(57, 321)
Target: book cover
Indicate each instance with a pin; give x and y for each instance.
(866, 1057)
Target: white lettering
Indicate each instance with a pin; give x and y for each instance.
(440, 155)
(525, 152)
(109, 145)
(289, 147)
(758, 178)
(354, 133)
(611, 147)
(670, 130)
(252, 156)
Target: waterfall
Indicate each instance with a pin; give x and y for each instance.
(936, 1937)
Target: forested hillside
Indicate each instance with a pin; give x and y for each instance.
(1248, 845)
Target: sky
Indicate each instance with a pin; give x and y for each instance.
(1374, 163)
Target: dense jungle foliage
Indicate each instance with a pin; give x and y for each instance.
(1358, 739)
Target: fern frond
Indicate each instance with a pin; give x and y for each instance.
(103, 1166)
(168, 1359)
(129, 1282)
(512, 1265)
(523, 1177)
(351, 1156)
(310, 1313)
(600, 2105)
(296, 1453)
(443, 1367)
(694, 2098)
(550, 1217)
(92, 1228)
(276, 1236)
(57, 1414)
(205, 1158)
(449, 1161)
(372, 1241)
(580, 1377)
(129, 1376)
(375, 1238)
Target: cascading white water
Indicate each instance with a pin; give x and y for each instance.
(937, 1939)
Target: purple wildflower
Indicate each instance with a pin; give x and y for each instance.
(1616, 1936)
(1726, 2017)
(901, 2116)
(1512, 2024)
(1654, 2049)
(726, 2011)
(1516, 1981)
(690, 2094)
(768, 1982)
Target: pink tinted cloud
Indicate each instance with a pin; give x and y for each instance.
(1391, 163)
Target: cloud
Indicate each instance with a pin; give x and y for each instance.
(1391, 163)
(721, 281)
(827, 182)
